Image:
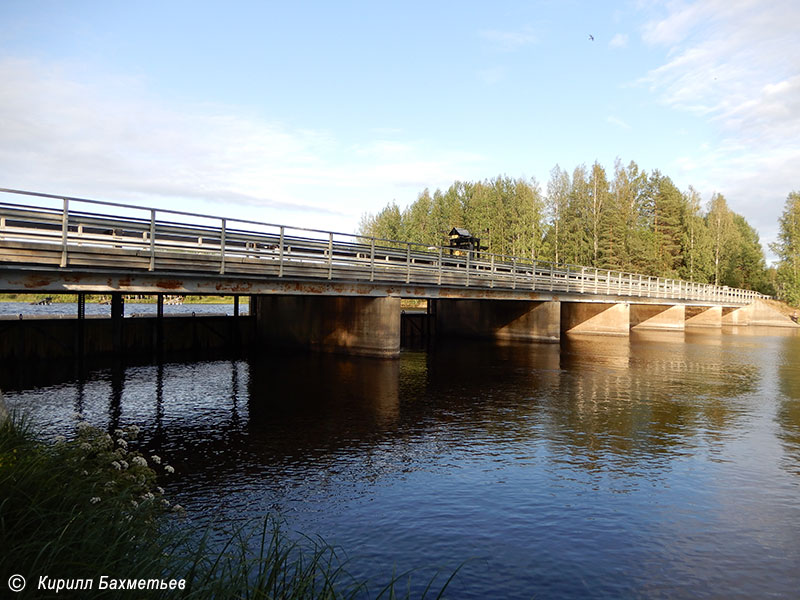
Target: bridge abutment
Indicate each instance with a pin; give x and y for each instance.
(346, 325)
(509, 320)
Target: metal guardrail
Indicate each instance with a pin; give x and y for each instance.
(139, 238)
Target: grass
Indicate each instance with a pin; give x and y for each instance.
(89, 507)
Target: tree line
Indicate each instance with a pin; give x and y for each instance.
(630, 220)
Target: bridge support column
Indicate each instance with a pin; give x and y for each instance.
(658, 316)
(345, 325)
(595, 318)
(520, 320)
(703, 316)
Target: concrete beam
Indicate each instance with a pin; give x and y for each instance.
(654, 316)
(595, 318)
(509, 320)
(704, 316)
(356, 326)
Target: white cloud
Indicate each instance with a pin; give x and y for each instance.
(733, 64)
(510, 40)
(619, 41)
(99, 137)
(616, 121)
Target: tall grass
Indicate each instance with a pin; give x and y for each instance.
(90, 507)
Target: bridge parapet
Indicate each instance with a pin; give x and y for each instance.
(41, 232)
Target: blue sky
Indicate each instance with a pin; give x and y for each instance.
(313, 113)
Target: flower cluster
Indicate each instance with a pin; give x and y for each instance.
(116, 473)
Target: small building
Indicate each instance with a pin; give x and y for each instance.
(462, 241)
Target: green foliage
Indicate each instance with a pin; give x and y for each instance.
(634, 222)
(787, 247)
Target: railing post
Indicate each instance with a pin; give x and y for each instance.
(439, 280)
(372, 260)
(222, 247)
(64, 232)
(533, 275)
(152, 239)
(408, 263)
(514, 273)
(583, 279)
(491, 278)
(608, 282)
(469, 253)
(552, 275)
(330, 255)
(280, 253)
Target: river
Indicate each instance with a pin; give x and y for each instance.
(655, 466)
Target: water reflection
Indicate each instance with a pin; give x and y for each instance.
(788, 414)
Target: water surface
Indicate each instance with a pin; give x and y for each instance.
(655, 466)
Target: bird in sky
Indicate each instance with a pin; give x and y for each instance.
(591, 37)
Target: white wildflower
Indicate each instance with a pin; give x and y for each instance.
(95, 500)
(119, 433)
(77, 416)
(156, 459)
(177, 508)
(139, 461)
(86, 446)
(122, 443)
(60, 439)
(148, 496)
(110, 485)
(84, 472)
(116, 465)
(123, 464)
(165, 502)
(135, 504)
(168, 469)
(160, 490)
(83, 426)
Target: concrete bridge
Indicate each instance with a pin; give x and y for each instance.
(332, 291)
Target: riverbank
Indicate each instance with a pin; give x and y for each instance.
(84, 517)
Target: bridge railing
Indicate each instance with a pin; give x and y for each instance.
(82, 233)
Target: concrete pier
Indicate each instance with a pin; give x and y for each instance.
(508, 320)
(703, 316)
(347, 325)
(658, 316)
(595, 318)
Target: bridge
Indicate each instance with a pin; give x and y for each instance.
(336, 291)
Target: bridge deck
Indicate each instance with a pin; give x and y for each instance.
(135, 249)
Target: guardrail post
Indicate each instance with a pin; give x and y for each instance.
(491, 277)
(469, 253)
(280, 253)
(439, 279)
(330, 256)
(64, 232)
(533, 275)
(408, 264)
(552, 275)
(514, 273)
(568, 283)
(222, 247)
(152, 239)
(372, 259)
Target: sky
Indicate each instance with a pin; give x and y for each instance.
(315, 113)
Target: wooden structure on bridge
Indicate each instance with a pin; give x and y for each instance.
(333, 291)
